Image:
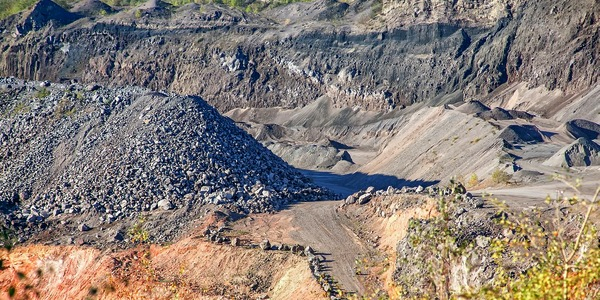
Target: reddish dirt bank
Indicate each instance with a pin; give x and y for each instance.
(189, 269)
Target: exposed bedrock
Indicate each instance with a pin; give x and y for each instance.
(355, 56)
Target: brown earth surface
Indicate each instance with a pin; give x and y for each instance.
(314, 224)
(189, 269)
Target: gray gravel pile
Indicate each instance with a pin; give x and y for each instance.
(110, 154)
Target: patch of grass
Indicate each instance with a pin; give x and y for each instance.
(64, 108)
(11, 7)
(20, 108)
(124, 2)
(79, 95)
(376, 8)
(235, 233)
(43, 93)
(137, 14)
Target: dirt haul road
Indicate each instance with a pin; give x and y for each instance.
(314, 224)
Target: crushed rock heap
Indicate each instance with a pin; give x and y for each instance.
(68, 150)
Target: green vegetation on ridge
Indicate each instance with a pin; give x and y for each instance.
(11, 7)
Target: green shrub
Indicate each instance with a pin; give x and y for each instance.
(564, 253)
(137, 233)
(473, 180)
(20, 108)
(500, 177)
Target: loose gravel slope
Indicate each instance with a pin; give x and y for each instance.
(107, 155)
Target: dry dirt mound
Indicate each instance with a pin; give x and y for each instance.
(107, 155)
(581, 152)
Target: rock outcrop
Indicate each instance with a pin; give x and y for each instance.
(579, 128)
(582, 152)
(289, 56)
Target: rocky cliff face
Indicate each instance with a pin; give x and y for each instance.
(369, 54)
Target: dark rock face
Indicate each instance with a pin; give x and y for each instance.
(580, 153)
(111, 154)
(240, 60)
(583, 129)
(521, 134)
(497, 113)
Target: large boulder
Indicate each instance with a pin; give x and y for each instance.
(580, 153)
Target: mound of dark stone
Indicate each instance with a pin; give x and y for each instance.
(579, 128)
(519, 114)
(581, 153)
(496, 113)
(43, 13)
(90, 8)
(102, 155)
(270, 132)
(473, 107)
(521, 134)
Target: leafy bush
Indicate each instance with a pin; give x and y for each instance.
(137, 233)
(563, 250)
(541, 254)
(500, 176)
(473, 180)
